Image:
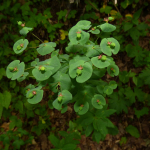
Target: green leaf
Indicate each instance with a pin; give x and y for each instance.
(113, 84)
(106, 27)
(25, 30)
(6, 99)
(1, 109)
(96, 31)
(97, 136)
(46, 48)
(23, 76)
(137, 14)
(127, 26)
(84, 24)
(60, 80)
(140, 94)
(133, 131)
(54, 140)
(18, 143)
(134, 33)
(123, 140)
(118, 103)
(143, 111)
(88, 130)
(69, 146)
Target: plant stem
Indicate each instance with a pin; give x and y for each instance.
(31, 76)
(37, 38)
(29, 68)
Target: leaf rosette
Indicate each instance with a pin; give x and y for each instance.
(109, 46)
(46, 48)
(63, 97)
(20, 45)
(15, 69)
(98, 101)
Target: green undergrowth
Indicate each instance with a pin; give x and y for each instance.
(78, 76)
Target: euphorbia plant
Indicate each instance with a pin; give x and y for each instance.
(74, 76)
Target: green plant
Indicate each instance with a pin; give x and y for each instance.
(75, 75)
(69, 141)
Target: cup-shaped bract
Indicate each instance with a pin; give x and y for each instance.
(99, 63)
(107, 48)
(20, 46)
(108, 90)
(42, 75)
(73, 36)
(63, 97)
(81, 107)
(98, 101)
(46, 48)
(15, 69)
(34, 96)
(113, 84)
(28, 88)
(86, 71)
(50, 66)
(113, 70)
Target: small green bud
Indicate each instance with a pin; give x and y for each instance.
(113, 70)
(110, 18)
(18, 47)
(42, 68)
(78, 35)
(79, 71)
(112, 45)
(59, 99)
(94, 27)
(30, 95)
(11, 68)
(19, 23)
(99, 103)
(104, 58)
(80, 108)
